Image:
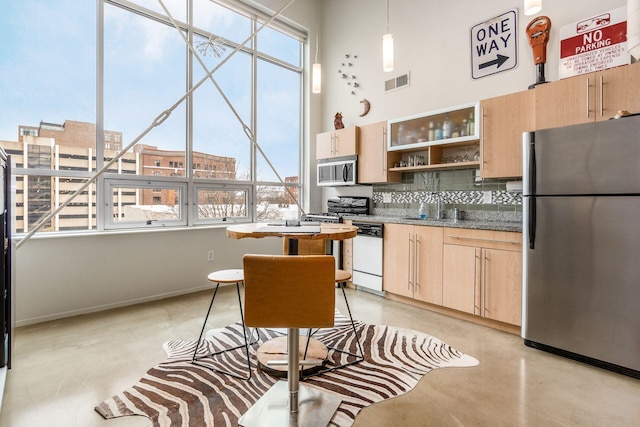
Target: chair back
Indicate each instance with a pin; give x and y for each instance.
(283, 291)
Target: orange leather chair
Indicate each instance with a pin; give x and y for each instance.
(290, 292)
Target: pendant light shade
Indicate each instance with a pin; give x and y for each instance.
(387, 47)
(387, 52)
(316, 78)
(531, 7)
(316, 70)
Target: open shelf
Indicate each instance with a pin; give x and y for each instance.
(458, 155)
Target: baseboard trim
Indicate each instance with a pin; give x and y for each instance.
(505, 327)
(103, 307)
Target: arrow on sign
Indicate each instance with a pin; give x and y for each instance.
(501, 59)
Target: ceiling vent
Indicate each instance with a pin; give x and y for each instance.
(396, 83)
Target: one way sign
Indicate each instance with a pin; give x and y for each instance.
(494, 45)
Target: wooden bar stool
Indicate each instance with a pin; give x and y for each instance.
(223, 277)
(342, 277)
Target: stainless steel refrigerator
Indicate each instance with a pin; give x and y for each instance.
(581, 237)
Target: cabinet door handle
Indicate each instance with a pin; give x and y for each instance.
(416, 264)
(384, 149)
(484, 282)
(601, 95)
(588, 97)
(482, 133)
(476, 306)
(409, 263)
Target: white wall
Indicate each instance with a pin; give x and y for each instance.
(65, 276)
(432, 42)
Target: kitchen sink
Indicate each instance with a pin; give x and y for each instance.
(415, 218)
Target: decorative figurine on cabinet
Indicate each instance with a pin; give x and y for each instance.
(337, 121)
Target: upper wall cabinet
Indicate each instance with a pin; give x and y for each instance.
(447, 126)
(504, 119)
(374, 161)
(447, 138)
(587, 98)
(337, 143)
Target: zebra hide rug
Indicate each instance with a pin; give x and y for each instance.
(178, 393)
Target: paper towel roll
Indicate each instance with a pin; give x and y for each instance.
(633, 28)
(514, 186)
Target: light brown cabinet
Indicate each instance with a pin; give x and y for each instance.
(374, 161)
(337, 143)
(587, 98)
(504, 119)
(482, 273)
(413, 262)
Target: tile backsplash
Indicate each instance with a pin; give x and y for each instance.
(480, 199)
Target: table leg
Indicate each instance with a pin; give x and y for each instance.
(294, 368)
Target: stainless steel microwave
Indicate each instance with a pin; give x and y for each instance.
(338, 171)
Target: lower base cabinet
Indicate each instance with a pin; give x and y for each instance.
(413, 262)
(482, 273)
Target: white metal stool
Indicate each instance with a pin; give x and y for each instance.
(225, 277)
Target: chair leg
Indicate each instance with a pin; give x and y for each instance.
(353, 325)
(195, 359)
(204, 324)
(244, 330)
(359, 357)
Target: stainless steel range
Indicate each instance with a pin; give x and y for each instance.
(337, 207)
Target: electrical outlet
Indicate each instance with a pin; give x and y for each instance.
(210, 256)
(386, 197)
(486, 197)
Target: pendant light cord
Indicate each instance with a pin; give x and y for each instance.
(387, 16)
(317, 28)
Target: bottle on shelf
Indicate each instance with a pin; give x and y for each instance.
(432, 132)
(470, 126)
(423, 134)
(401, 135)
(438, 132)
(446, 127)
(464, 129)
(422, 212)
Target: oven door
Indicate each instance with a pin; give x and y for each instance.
(367, 262)
(332, 172)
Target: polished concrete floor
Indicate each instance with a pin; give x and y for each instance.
(62, 369)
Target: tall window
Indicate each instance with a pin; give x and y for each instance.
(193, 137)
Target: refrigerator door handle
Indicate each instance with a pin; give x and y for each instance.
(532, 167)
(532, 222)
(532, 192)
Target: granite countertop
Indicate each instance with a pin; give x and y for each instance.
(471, 224)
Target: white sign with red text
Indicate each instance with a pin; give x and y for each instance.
(594, 43)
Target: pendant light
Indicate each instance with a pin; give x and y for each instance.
(316, 71)
(531, 7)
(387, 47)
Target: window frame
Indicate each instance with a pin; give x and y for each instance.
(188, 185)
(249, 207)
(111, 183)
